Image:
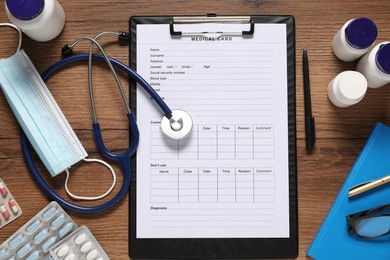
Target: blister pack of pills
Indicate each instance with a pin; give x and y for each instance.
(9, 208)
(81, 244)
(34, 240)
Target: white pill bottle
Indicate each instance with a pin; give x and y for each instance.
(375, 65)
(41, 20)
(354, 39)
(347, 88)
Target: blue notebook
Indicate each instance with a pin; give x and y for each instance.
(332, 240)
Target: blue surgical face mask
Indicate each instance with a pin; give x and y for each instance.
(39, 115)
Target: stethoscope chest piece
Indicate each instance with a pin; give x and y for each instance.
(178, 126)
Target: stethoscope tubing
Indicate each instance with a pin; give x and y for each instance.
(124, 159)
(63, 202)
(134, 75)
(126, 155)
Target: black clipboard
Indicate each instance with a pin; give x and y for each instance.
(222, 248)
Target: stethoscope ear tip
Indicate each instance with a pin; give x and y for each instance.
(178, 126)
(67, 50)
(124, 36)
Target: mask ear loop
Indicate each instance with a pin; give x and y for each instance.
(76, 197)
(17, 29)
(68, 49)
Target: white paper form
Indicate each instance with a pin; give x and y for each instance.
(229, 178)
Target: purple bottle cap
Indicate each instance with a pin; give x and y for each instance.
(383, 58)
(25, 9)
(361, 33)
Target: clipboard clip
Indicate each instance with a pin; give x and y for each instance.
(211, 18)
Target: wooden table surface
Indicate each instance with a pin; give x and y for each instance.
(341, 133)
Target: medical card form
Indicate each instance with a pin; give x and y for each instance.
(229, 178)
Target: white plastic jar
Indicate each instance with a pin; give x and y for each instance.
(354, 39)
(347, 88)
(41, 20)
(375, 65)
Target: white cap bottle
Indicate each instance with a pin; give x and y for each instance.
(375, 65)
(347, 88)
(354, 39)
(41, 20)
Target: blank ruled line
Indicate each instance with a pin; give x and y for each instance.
(215, 50)
(211, 226)
(230, 104)
(225, 99)
(193, 110)
(224, 85)
(226, 55)
(225, 90)
(228, 73)
(208, 220)
(227, 209)
(243, 67)
(212, 215)
(216, 62)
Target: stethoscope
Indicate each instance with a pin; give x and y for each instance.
(176, 124)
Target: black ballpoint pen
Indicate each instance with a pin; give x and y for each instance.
(309, 119)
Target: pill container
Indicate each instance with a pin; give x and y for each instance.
(354, 39)
(81, 244)
(9, 208)
(34, 239)
(347, 88)
(375, 65)
(41, 20)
